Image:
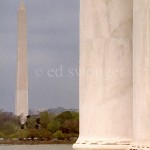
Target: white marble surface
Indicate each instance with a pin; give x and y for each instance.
(22, 103)
(22, 65)
(105, 72)
(141, 72)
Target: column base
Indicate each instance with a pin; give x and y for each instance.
(101, 145)
(139, 147)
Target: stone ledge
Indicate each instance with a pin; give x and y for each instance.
(139, 147)
(99, 147)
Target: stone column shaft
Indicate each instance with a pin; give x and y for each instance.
(105, 74)
(141, 74)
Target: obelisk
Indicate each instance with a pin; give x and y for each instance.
(22, 67)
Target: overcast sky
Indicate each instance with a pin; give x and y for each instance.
(53, 53)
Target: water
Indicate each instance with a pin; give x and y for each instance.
(36, 147)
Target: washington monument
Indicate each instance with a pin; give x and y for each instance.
(22, 65)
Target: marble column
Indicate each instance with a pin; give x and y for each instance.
(105, 74)
(141, 75)
(22, 65)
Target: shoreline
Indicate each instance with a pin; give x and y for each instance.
(19, 142)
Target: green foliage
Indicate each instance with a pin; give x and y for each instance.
(5, 116)
(69, 122)
(13, 136)
(2, 135)
(21, 133)
(53, 126)
(59, 135)
(71, 126)
(43, 133)
(75, 115)
(45, 118)
(8, 128)
(31, 122)
(8, 123)
(33, 133)
(46, 125)
(70, 135)
(67, 115)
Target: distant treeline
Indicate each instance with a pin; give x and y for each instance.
(45, 126)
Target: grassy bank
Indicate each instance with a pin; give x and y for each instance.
(35, 142)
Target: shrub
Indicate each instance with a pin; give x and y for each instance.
(59, 135)
(53, 126)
